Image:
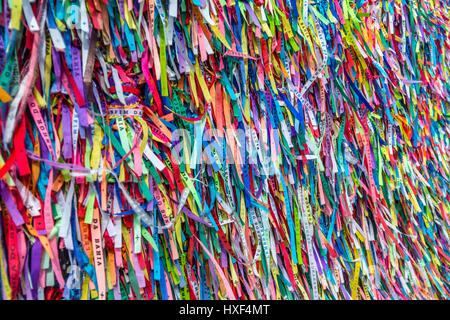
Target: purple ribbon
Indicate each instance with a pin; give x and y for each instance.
(10, 204)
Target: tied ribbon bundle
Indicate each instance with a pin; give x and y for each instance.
(223, 149)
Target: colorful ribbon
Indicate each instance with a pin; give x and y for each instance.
(224, 149)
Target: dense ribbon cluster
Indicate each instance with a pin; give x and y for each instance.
(224, 149)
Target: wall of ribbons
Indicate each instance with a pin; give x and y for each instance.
(224, 149)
